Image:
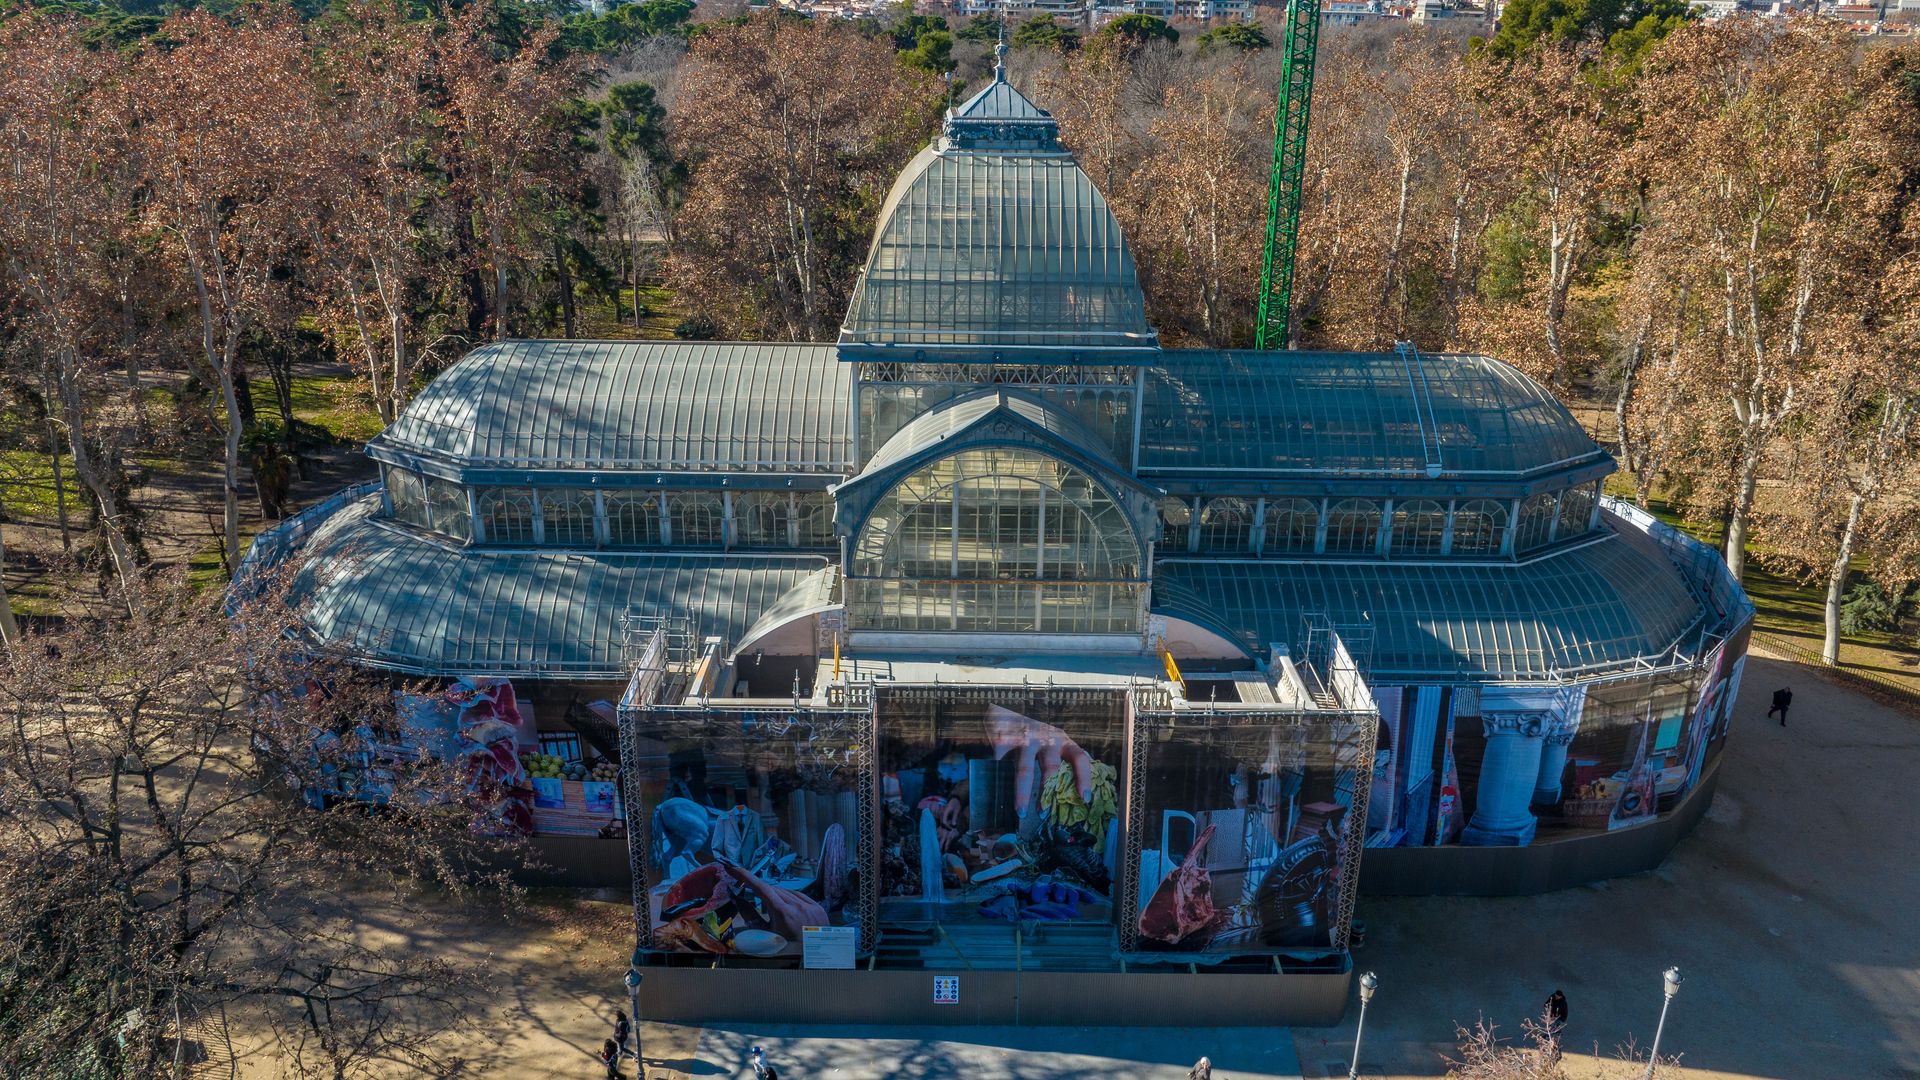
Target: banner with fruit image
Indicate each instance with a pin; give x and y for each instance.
(753, 820)
(999, 804)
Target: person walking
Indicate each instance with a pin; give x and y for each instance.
(610, 1057)
(622, 1031)
(1782, 698)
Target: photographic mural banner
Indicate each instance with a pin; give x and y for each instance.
(1496, 766)
(1248, 830)
(1000, 804)
(756, 823)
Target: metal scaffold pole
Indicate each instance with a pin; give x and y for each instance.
(1273, 324)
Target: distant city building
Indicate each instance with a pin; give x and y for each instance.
(1431, 10)
(1349, 12)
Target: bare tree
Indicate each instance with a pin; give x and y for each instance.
(225, 122)
(66, 190)
(162, 859)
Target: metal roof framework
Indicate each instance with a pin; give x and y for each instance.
(994, 237)
(1396, 414)
(708, 407)
(1599, 609)
(406, 603)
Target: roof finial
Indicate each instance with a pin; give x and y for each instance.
(1000, 49)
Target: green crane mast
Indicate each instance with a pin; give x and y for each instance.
(1273, 324)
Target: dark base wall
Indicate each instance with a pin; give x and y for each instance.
(1061, 998)
(1523, 871)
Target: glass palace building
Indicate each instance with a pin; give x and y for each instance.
(994, 639)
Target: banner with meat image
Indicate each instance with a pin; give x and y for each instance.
(1244, 823)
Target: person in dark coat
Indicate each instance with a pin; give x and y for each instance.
(622, 1031)
(610, 1057)
(1556, 1010)
(1782, 698)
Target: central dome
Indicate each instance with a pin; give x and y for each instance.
(993, 238)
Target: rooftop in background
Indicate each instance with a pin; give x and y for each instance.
(632, 405)
(1397, 414)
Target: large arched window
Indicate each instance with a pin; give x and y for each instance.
(447, 504)
(507, 515)
(1353, 527)
(761, 518)
(1293, 526)
(1479, 527)
(1000, 541)
(407, 497)
(566, 516)
(1419, 527)
(633, 518)
(1535, 526)
(695, 518)
(1226, 524)
(1175, 516)
(1576, 511)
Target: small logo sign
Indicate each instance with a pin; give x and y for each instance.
(946, 989)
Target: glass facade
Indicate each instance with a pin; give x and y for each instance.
(997, 540)
(1100, 397)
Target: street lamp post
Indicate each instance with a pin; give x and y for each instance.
(1672, 980)
(633, 1010)
(1368, 984)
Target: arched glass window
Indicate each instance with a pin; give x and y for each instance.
(633, 518)
(1292, 525)
(815, 519)
(1226, 524)
(407, 496)
(447, 504)
(1535, 526)
(760, 518)
(1576, 511)
(695, 517)
(1353, 527)
(566, 516)
(507, 515)
(1419, 527)
(1479, 527)
(1175, 516)
(1001, 541)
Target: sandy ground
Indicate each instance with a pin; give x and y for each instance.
(1792, 910)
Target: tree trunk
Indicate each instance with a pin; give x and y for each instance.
(569, 323)
(1635, 354)
(102, 491)
(9, 630)
(59, 487)
(1837, 580)
(499, 282)
(1736, 550)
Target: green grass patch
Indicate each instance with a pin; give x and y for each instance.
(598, 321)
(27, 489)
(334, 406)
(1786, 608)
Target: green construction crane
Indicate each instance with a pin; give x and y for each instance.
(1273, 324)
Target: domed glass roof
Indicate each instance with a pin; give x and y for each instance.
(993, 237)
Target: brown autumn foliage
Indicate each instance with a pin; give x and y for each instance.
(796, 128)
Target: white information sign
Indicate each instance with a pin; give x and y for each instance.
(828, 946)
(946, 989)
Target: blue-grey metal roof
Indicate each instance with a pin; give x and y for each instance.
(1394, 414)
(399, 601)
(1598, 609)
(634, 405)
(998, 248)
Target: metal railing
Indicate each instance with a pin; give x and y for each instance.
(1903, 692)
